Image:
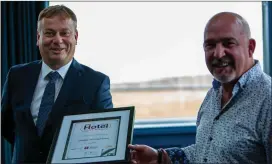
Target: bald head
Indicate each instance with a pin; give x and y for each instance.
(229, 17)
(228, 47)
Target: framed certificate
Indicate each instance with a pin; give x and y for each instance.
(101, 136)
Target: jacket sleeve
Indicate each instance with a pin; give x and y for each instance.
(103, 98)
(7, 120)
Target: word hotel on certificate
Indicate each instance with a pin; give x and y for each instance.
(92, 138)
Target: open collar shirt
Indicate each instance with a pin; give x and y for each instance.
(238, 132)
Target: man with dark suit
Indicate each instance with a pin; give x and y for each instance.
(37, 95)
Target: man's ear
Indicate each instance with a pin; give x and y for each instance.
(76, 35)
(251, 47)
(38, 38)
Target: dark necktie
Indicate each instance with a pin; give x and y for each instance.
(47, 101)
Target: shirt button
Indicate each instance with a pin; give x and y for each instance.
(205, 159)
(210, 138)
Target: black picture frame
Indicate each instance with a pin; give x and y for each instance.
(125, 115)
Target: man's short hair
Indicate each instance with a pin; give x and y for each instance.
(57, 10)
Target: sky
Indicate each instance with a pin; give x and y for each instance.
(141, 41)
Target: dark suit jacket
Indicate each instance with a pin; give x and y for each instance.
(83, 89)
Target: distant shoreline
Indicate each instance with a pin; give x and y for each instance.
(202, 82)
(162, 88)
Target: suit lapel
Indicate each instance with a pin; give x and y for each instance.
(31, 82)
(29, 86)
(70, 83)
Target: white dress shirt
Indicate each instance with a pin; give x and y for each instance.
(41, 84)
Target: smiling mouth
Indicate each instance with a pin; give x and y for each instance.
(222, 64)
(57, 50)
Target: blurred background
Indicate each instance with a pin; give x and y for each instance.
(152, 52)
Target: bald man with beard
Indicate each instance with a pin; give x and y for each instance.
(235, 118)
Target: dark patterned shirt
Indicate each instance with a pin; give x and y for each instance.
(240, 132)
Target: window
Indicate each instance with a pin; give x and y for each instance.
(152, 51)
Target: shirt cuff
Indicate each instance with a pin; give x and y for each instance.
(177, 156)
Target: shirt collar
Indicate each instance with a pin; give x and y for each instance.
(244, 78)
(62, 70)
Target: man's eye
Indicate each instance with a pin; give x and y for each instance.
(209, 46)
(49, 33)
(65, 33)
(229, 44)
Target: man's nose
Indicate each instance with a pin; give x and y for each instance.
(219, 51)
(57, 39)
